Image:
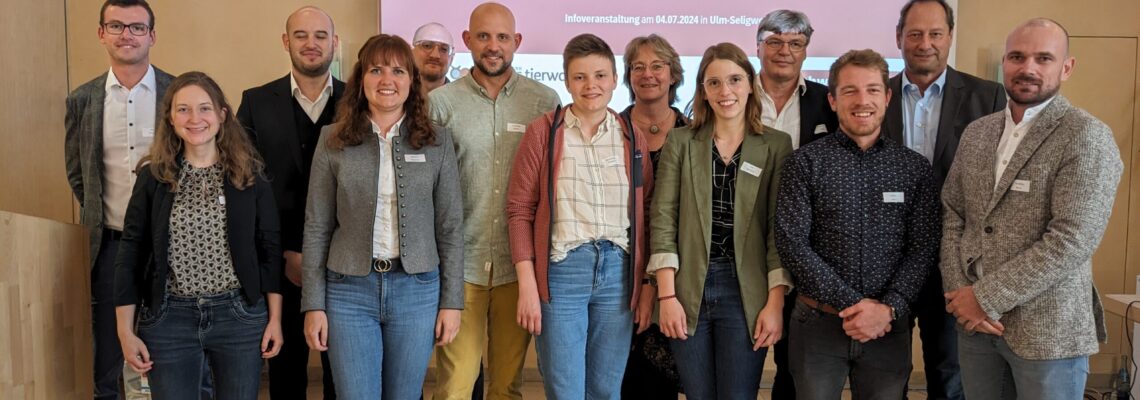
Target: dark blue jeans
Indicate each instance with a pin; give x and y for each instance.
(717, 361)
(183, 332)
(822, 357)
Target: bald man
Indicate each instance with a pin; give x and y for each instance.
(433, 51)
(284, 119)
(1025, 205)
(487, 112)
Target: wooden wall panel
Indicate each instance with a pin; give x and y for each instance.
(45, 309)
(34, 82)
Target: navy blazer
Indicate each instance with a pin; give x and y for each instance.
(266, 113)
(142, 265)
(815, 111)
(965, 98)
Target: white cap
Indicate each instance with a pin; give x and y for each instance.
(434, 32)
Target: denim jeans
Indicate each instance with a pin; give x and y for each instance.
(822, 356)
(587, 325)
(381, 332)
(717, 361)
(185, 332)
(992, 371)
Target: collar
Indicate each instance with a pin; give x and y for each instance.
(846, 142)
(294, 89)
(936, 86)
(1030, 113)
(395, 131)
(801, 85)
(508, 88)
(148, 80)
(572, 121)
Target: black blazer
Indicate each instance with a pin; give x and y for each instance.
(965, 98)
(815, 111)
(142, 265)
(266, 113)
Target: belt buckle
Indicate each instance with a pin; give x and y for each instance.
(381, 266)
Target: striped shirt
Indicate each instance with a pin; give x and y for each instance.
(592, 192)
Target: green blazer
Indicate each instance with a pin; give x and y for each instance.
(681, 217)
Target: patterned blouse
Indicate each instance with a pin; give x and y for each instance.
(200, 260)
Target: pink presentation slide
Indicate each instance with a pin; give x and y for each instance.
(690, 26)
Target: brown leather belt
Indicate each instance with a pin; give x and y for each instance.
(810, 302)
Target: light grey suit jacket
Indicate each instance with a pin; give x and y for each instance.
(341, 211)
(83, 148)
(1027, 248)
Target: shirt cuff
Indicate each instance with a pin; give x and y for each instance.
(779, 277)
(662, 260)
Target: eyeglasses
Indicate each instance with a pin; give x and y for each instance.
(655, 67)
(777, 44)
(733, 81)
(430, 46)
(117, 28)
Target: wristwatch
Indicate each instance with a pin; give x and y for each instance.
(894, 315)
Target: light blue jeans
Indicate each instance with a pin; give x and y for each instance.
(990, 370)
(381, 332)
(587, 325)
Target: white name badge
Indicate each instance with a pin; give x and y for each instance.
(148, 132)
(893, 197)
(1020, 185)
(612, 161)
(821, 128)
(415, 158)
(512, 127)
(750, 169)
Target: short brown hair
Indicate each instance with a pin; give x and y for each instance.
(865, 58)
(586, 44)
(126, 4)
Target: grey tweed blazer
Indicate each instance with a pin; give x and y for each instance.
(83, 148)
(1027, 248)
(341, 210)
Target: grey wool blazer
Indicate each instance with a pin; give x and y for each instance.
(83, 148)
(341, 210)
(1027, 246)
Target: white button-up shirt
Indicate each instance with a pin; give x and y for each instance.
(128, 130)
(786, 120)
(386, 228)
(312, 108)
(1012, 135)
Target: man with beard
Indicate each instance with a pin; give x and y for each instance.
(857, 224)
(433, 53)
(284, 120)
(1025, 206)
(797, 107)
(110, 124)
(487, 112)
(932, 105)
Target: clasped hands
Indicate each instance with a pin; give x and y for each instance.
(963, 304)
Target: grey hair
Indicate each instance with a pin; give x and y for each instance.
(785, 21)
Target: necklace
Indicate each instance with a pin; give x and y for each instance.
(735, 145)
(654, 127)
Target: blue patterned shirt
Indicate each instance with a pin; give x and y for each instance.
(854, 224)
